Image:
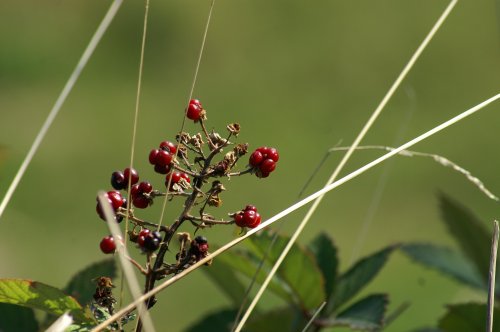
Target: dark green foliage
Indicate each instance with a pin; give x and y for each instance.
(358, 276)
(468, 317)
(367, 314)
(469, 232)
(447, 261)
(219, 321)
(305, 280)
(14, 318)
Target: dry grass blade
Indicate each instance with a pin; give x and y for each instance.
(127, 267)
(300, 204)
(437, 158)
(348, 154)
(94, 41)
(491, 281)
(316, 313)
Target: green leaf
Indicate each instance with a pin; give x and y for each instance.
(218, 321)
(14, 318)
(287, 319)
(467, 317)
(358, 276)
(247, 264)
(222, 274)
(470, 233)
(366, 314)
(40, 296)
(81, 285)
(299, 270)
(447, 261)
(326, 256)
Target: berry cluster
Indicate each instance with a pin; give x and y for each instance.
(264, 160)
(149, 241)
(140, 194)
(116, 200)
(178, 181)
(162, 157)
(195, 111)
(119, 180)
(248, 217)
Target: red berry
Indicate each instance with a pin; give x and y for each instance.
(132, 173)
(238, 219)
(176, 177)
(250, 208)
(153, 155)
(256, 221)
(249, 217)
(185, 177)
(162, 169)
(273, 154)
(116, 199)
(118, 180)
(145, 187)
(194, 112)
(267, 166)
(142, 235)
(134, 191)
(163, 158)
(108, 245)
(140, 202)
(195, 102)
(168, 146)
(261, 174)
(256, 158)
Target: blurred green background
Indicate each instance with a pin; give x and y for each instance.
(298, 75)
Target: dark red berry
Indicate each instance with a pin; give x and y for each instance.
(118, 180)
(162, 169)
(142, 235)
(267, 166)
(108, 245)
(273, 154)
(134, 191)
(256, 221)
(185, 177)
(195, 102)
(151, 243)
(163, 158)
(168, 146)
(238, 219)
(140, 202)
(250, 208)
(132, 173)
(153, 155)
(116, 199)
(145, 187)
(261, 174)
(256, 158)
(194, 112)
(249, 217)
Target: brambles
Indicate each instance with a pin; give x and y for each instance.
(193, 162)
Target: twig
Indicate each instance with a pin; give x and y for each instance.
(491, 281)
(297, 206)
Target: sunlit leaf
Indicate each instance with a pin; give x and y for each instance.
(40, 296)
(366, 314)
(299, 270)
(468, 317)
(326, 256)
(447, 261)
(470, 233)
(81, 285)
(358, 276)
(14, 318)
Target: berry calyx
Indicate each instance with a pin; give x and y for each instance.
(108, 245)
(178, 181)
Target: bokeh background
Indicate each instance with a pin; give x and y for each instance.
(298, 75)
